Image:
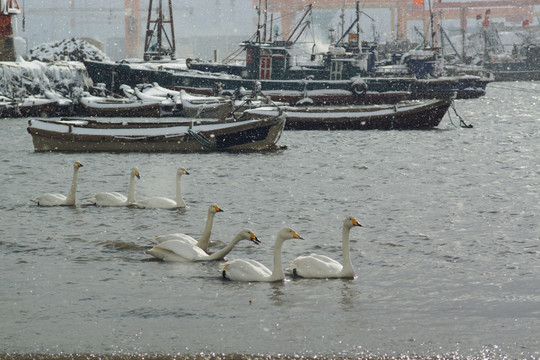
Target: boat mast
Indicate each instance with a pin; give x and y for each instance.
(431, 28)
(258, 33)
(306, 24)
(154, 47)
(358, 26)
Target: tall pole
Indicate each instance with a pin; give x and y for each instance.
(358, 25)
(173, 41)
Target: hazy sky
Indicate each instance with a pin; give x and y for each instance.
(55, 20)
(52, 20)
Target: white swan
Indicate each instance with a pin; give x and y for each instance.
(163, 202)
(251, 270)
(205, 237)
(117, 199)
(320, 266)
(59, 199)
(177, 250)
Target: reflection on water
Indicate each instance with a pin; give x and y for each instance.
(277, 294)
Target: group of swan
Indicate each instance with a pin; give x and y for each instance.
(106, 199)
(312, 266)
(182, 247)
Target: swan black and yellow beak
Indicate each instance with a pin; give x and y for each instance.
(137, 174)
(254, 239)
(296, 236)
(184, 171)
(217, 208)
(356, 223)
(78, 163)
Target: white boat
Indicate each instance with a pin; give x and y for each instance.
(123, 107)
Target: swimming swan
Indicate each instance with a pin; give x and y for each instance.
(163, 202)
(251, 270)
(205, 237)
(176, 250)
(59, 199)
(320, 266)
(117, 199)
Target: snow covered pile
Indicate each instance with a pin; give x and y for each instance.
(54, 67)
(24, 78)
(68, 50)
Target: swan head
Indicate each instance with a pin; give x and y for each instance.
(214, 208)
(77, 165)
(135, 172)
(247, 234)
(288, 233)
(182, 171)
(350, 222)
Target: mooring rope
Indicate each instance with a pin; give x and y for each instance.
(462, 122)
(203, 140)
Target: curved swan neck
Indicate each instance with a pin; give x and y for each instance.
(179, 200)
(70, 200)
(227, 249)
(277, 270)
(347, 263)
(205, 237)
(131, 193)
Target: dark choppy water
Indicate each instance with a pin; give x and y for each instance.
(447, 262)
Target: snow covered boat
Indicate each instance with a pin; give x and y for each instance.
(201, 106)
(123, 107)
(27, 107)
(410, 115)
(197, 135)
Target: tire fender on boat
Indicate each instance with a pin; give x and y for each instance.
(359, 87)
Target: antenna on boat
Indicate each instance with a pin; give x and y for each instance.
(154, 48)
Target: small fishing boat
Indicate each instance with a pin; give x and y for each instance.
(27, 107)
(123, 107)
(201, 106)
(197, 135)
(408, 115)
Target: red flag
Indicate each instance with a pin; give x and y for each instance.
(418, 2)
(485, 22)
(525, 23)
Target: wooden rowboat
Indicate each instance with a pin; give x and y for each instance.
(85, 135)
(411, 115)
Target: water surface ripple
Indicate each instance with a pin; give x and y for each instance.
(447, 262)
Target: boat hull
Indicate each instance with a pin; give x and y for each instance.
(82, 135)
(421, 115)
(327, 92)
(371, 90)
